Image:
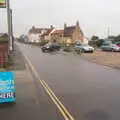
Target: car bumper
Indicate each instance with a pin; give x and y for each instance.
(117, 50)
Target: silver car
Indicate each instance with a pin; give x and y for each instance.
(110, 47)
(84, 48)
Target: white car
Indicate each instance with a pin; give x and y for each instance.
(84, 48)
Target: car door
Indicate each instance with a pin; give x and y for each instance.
(109, 48)
(104, 47)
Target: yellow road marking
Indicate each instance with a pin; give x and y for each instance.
(56, 101)
(62, 106)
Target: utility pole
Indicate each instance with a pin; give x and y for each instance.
(108, 32)
(11, 31)
(9, 24)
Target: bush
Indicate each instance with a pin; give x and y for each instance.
(67, 49)
(43, 43)
(96, 43)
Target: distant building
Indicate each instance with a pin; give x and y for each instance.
(47, 35)
(35, 34)
(57, 36)
(73, 34)
(70, 34)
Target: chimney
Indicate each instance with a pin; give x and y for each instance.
(65, 25)
(33, 27)
(51, 26)
(77, 23)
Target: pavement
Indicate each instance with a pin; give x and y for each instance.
(87, 90)
(16, 60)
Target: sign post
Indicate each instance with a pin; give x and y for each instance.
(9, 22)
(7, 87)
(7, 79)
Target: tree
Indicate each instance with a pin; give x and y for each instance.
(21, 38)
(95, 37)
(112, 37)
(4, 35)
(117, 38)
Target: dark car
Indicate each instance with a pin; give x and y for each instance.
(51, 47)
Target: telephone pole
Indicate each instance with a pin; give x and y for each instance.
(108, 32)
(11, 30)
(9, 20)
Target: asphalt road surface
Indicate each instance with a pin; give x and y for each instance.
(88, 91)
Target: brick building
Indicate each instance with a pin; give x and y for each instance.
(73, 33)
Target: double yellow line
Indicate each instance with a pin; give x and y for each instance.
(57, 102)
(62, 109)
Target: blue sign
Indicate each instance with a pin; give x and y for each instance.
(7, 87)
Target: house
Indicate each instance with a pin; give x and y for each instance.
(35, 34)
(73, 34)
(57, 35)
(47, 35)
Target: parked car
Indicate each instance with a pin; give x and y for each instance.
(110, 47)
(118, 44)
(84, 48)
(49, 47)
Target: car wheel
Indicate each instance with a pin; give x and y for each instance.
(92, 51)
(113, 50)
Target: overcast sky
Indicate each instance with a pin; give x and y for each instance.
(95, 16)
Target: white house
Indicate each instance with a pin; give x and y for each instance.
(35, 34)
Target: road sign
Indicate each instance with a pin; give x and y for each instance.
(2, 3)
(7, 87)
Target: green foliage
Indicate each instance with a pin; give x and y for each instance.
(117, 38)
(96, 43)
(4, 37)
(94, 37)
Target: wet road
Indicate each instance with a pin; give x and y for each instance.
(89, 91)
